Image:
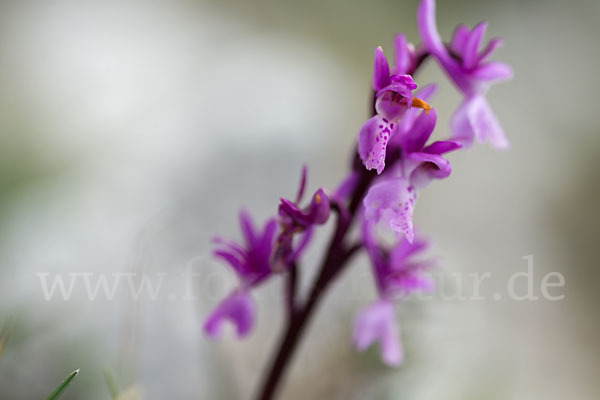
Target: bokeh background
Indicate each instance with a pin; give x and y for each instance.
(132, 132)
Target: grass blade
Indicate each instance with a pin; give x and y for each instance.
(4, 334)
(112, 385)
(60, 389)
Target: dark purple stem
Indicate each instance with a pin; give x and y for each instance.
(333, 264)
(290, 289)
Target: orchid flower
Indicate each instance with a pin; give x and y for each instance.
(251, 262)
(397, 274)
(471, 72)
(294, 220)
(393, 99)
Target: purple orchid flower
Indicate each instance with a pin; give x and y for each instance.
(422, 163)
(470, 71)
(294, 220)
(396, 275)
(392, 199)
(252, 265)
(393, 99)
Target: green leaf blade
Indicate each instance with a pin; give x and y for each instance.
(60, 389)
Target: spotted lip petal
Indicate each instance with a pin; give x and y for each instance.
(373, 139)
(393, 201)
(393, 100)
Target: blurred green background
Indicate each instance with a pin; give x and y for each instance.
(132, 132)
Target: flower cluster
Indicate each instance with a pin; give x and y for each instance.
(395, 160)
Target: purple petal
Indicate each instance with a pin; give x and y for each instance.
(377, 322)
(372, 142)
(419, 283)
(475, 118)
(406, 123)
(404, 250)
(462, 128)
(405, 55)
(395, 99)
(252, 262)
(428, 30)
(420, 132)
(493, 72)
(259, 257)
(231, 246)
(428, 167)
(459, 39)
(346, 188)
(375, 252)
(471, 50)
(236, 262)
(302, 184)
(316, 213)
(319, 208)
(248, 229)
(401, 274)
(442, 147)
(304, 240)
(238, 308)
(266, 244)
(290, 209)
(405, 80)
(433, 41)
(427, 92)
(381, 70)
(392, 200)
(234, 255)
(391, 105)
(490, 48)
(399, 285)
